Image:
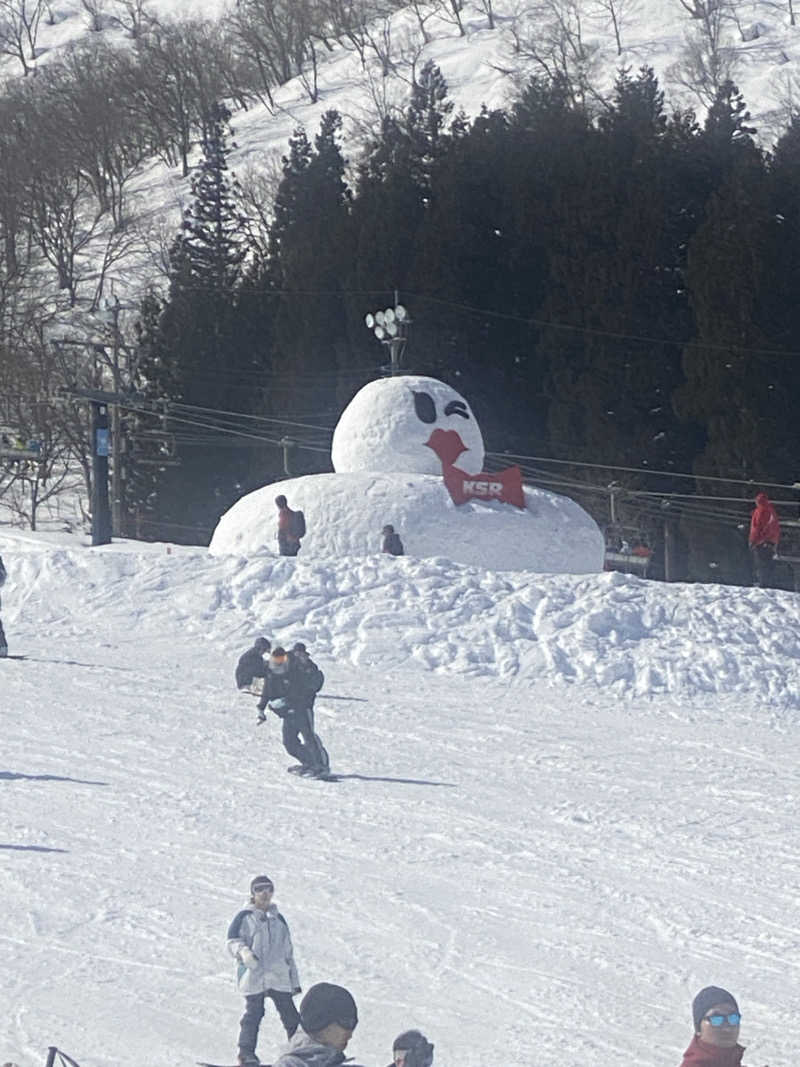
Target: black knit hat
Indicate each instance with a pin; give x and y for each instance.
(707, 998)
(325, 1003)
(261, 881)
(408, 1039)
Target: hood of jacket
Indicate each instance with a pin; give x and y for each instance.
(305, 1049)
(700, 1054)
(762, 500)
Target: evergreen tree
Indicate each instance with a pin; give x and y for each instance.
(194, 353)
(308, 265)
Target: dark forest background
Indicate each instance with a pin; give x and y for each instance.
(618, 290)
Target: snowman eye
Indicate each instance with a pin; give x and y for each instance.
(424, 407)
(457, 407)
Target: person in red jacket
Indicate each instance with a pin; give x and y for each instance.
(765, 533)
(716, 1030)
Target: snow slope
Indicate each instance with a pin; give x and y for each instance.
(517, 860)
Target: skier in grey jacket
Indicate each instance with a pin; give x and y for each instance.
(260, 941)
(328, 1017)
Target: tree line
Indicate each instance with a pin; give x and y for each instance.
(615, 288)
(604, 278)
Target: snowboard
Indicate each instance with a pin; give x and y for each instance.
(12, 655)
(297, 769)
(202, 1063)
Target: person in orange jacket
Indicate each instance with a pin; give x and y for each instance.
(765, 534)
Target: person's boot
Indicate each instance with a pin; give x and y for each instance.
(248, 1059)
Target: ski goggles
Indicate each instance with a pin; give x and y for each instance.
(263, 887)
(733, 1019)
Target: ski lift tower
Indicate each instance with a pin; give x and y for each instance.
(391, 329)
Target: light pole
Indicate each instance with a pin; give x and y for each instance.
(391, 329)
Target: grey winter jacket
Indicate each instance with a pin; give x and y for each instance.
(304, 1051)
(266, 934)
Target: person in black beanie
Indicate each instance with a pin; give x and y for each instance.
(411, 1049)
(716, 1019)
(328, 1017)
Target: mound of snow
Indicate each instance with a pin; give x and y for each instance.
(345, 513)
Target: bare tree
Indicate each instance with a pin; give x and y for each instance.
(19, 29)
(450, 11)
(133, 16)
(616, 14)
(707, 62)
(551, 34)
(94, 9)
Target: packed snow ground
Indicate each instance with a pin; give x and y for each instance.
(567, 803)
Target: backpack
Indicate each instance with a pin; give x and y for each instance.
(297, 524)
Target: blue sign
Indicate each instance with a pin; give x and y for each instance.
(103, 440)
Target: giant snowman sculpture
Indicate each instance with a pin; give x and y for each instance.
(393, 446)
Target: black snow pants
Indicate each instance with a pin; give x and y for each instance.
(254, 1013)
(297, 725)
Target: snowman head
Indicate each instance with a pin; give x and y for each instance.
(404, 425)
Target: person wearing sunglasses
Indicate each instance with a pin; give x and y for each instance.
(259, 940)
(716, 1030)
(328, 1017)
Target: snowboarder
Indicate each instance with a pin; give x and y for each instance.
(328, 1017)
(716, 1030)
(765, 533)
(286, 693)
(411, 1049)
(291, 528)
(3, 642)
(391, 544)
(260, 941)
(251, 663)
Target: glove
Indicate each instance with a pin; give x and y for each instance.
(279, 706)
(248, 958)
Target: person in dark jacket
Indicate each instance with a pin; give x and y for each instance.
(288, 539)
(286, 694)
(251, 663)
(259, 940)
(328, 1017)
(411, 1049)
(3, 642)
(716, 1019)
(391, 543)
(765, 534)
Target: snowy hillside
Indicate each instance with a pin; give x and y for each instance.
(760, 50)
(516, 861)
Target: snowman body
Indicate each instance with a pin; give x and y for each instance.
(388, 472)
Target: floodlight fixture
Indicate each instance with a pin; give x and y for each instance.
(390, 328)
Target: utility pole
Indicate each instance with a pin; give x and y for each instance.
(101, 515)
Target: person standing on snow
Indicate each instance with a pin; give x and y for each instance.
(3, 642)
(259, 940)
(251, 663)
(328, 1017)
(391, 543)
(716, 1030)
(765, 534)
(291, 527)
(286, 694)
